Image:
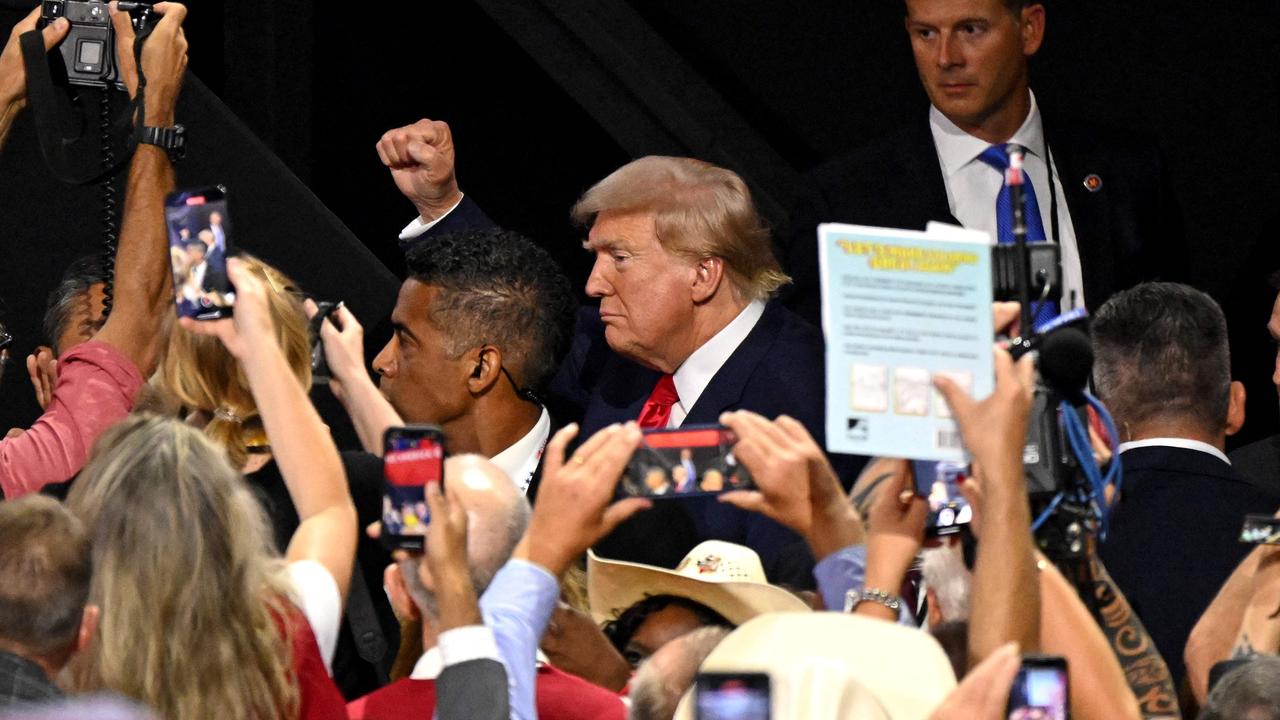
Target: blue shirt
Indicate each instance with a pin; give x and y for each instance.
(845, 571)
(517, 606)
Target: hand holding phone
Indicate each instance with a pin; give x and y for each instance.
(199, 245)
(413, 457)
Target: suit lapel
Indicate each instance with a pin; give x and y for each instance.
(1090, 214)
(923, 171)
(725, 390)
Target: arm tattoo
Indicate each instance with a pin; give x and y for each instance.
(1144, 669)
(1243, 648)
(863, 496)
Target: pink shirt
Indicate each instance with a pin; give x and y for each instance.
(97, 386)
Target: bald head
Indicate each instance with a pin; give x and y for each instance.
(497, 514)
(663, 678)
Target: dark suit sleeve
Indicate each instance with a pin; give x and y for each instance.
(473, 690)
(467, 216)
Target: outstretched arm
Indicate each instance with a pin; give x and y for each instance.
(143, 282)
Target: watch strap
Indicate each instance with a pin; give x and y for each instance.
(172, 139)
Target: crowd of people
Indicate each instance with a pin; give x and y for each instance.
(181, 537)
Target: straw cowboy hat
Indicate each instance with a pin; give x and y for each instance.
(836, 665)
(725, 577)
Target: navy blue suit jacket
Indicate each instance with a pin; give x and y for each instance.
(1128, 231)
(1175, 538)
(778, 369)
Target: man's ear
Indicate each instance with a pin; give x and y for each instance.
(401, 601)
(709, 273)
(88, 627)
(1235, 408)
(1032, 27)
(487, 367)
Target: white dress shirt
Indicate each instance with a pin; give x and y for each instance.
(1183, 443)
(695, 373)
(973, 185)
(520, 461)
(459, 645)
(419, 226)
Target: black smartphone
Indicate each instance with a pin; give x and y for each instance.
(319, 364)
(412, 457)
(1040, 690)
(685, 462)
(1260, 530)
(199, 245)
(939, 483)
(732, 696)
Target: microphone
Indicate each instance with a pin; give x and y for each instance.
(1066, 362)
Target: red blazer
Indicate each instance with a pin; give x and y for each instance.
(560, 697)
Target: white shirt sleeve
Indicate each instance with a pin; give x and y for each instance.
(418, 226)
(316, 594)
(463, 644)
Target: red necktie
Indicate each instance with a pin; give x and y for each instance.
(657, 409)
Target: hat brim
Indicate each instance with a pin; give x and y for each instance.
(615, 585)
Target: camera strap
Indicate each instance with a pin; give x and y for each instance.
(78, 151)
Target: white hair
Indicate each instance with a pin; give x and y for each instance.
(945, 574)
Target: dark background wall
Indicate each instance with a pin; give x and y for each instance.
(547, 96)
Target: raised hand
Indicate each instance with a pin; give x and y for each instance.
(421, 159)
(574, 508)
(13, 73)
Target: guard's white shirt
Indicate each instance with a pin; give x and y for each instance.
(973, 185)
(521, 460)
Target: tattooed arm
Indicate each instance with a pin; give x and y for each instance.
(1099, 689)
(1212, 639)
(1145, 671)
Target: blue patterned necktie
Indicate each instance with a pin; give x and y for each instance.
(997, 156)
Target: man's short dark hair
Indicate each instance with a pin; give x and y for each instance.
(1161, 352)
(45, 569)
(498, 288)
(1250, 692)
(79, 276)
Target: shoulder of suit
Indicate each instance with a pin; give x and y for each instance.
(872, 157)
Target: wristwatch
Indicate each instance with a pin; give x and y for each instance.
(172, 139)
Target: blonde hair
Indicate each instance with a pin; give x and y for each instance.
(699, 211)
(197, 372)
(192, 593)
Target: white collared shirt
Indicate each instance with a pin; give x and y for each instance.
(418, 226)
(520, 461)
(459, 645)
(972, 187)
(695, 373)
(1183, 443)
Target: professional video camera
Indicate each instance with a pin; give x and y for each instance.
(88, 53)
(1066, 487)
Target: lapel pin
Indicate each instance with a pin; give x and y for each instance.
(1093, 182)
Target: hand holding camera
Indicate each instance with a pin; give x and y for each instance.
(13, 75)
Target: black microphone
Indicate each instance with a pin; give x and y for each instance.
(1066, 362)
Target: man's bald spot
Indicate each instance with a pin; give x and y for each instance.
(497, 512)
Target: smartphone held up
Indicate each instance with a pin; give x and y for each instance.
(685, 462)
(199, 245)
(413, 457)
